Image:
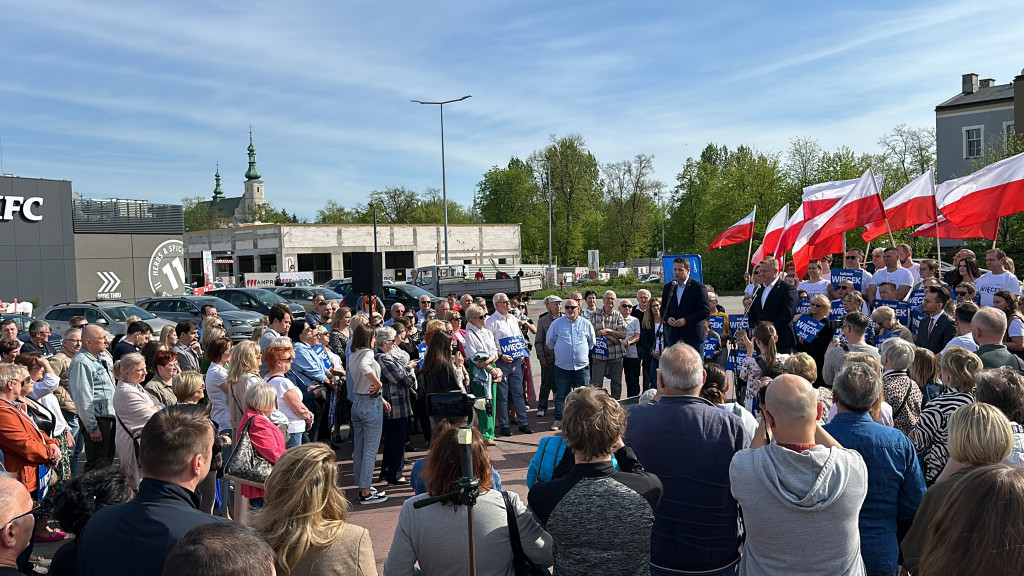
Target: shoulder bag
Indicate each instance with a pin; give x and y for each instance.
(521, 563)
(246, 466)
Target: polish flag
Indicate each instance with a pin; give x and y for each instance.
(793, 226)
(914, 204)
(805, 250)
(949, 231)
(995, 191)
(818, 198)
(773, 236)
(861, 205)
(741, 231)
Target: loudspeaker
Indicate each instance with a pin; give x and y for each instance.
(367, 273)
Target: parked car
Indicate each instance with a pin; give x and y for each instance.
(23, 322)
(238, 323)
(303, 295)
(330, 284)
(110, 314)
(256, 300)
(407, 294)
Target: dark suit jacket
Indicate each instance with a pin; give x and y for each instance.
(694, 306)
(779, 309)
(944, 331)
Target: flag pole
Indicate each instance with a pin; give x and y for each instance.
(938, 248)
(997, 234)
(879, 192)
(750, 245)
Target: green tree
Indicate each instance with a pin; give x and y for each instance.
(334, 213)
(431, 210)
(199, 215)
(397, 205)
(630, 208)
(267, 214)
(512, 194)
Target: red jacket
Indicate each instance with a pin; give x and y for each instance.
(24, 446)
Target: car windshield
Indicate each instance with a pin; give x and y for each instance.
(328, 294)
(221, 305)
(267, 297)
(119, 313)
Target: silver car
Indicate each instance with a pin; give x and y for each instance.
(110, 314)
(303, 295)
(238, 323)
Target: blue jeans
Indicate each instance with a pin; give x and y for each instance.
(511, 386)
(566, 380)
(76, 433)
(367, 425)
(294, 439)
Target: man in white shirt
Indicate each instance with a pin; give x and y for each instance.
(814, 284)
(504, 325)
(997, 278)
(964, 316)
(906, 254)
(894, 273)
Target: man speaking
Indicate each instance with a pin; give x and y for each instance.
(684, 306)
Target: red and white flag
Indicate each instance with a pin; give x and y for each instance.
(950, 231)
(861, 205)
(805, 250)
(914, 204)
(772, 236)
(793, 226)
(741, 231)
(995, 191)
(818, 198)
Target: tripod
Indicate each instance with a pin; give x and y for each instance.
(466, 492)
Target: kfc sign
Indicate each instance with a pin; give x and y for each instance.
(28, 207)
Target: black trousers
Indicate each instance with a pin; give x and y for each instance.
(631, 370)
(394, 448)
(100, 454)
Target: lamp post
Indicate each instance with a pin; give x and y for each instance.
(444, 187)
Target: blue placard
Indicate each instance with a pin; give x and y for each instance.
(717, 323)
(839, 334)
(710, 345)
(696, 269)
(915, 320)
(423, 352)
(808, 328)
(838, 311)
(840, 274)
(737, 322)
(901, 309)
(803, 306)
(741, 355)
(916, 298)
(881, 338)
(325, 360)
(515, 347)
(600, 347)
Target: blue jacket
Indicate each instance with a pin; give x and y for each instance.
(895, 484)
(689, 443)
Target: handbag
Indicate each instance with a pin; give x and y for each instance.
(245, 465)
(521, 563)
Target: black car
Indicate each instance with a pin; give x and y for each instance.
(23, 322)
(256, 300)
(407, 294)
(238, 323)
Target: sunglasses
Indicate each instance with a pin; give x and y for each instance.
(32, 512)
(625, 306)
(959, 293)
(570, 307)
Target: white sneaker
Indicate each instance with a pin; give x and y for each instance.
(541, 412)
(373, 498)
(556, 425)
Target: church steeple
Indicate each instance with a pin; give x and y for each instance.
(252, 173)
(217, 192)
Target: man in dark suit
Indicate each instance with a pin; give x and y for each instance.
(684, 307)
(935, 332)
(775, 302)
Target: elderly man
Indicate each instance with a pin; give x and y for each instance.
(800, 487)
(545, 355)
(221, 549)
(935, 332)
(441, 309)
(643, 297)
(695, 528)
(176, 448)
(397, 311)
(570, 338)
(877, 261)
(684, 307)
(16, 535)
(896, 484)
(989, 328)
(424, 306)
(775, 302)
(482, 351)
(91, 384)
(511, 349)
(610, 329)
(9, 330)
(39, 339)
(60, 362)
(997, 278)
(466, 301)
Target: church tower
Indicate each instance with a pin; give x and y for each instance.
(253, 195)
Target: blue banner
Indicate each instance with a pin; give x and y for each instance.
(838, 311)
(803, 306)
(325, 360)
(423, 352)
(881, 338)
(737, 322)
(901, 309)
(808, 328)
(855, 276)
(696, 269)
(916, 298)
(717, 323)
(515, 347)
(710, 345)
(915, 320)
(600, 347)
(741, 355)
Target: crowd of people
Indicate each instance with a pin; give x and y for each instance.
(869, 447)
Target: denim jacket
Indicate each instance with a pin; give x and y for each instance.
(92, 387)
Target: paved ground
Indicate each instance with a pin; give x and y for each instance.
(511, 457)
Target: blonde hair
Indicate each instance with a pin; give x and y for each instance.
(245, 360)
(295, 519)
(211, 333)
(186, 384)
(961, 366)
(979, 434)
(166, 333)
(801, 364)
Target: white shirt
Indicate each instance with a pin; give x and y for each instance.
(966, 342)
(632, 329)
(750, 289)
(503, 327)
(915, 271)
(812, 288)
(901, 277)
(990, 283)
(1016, 327)
(768, 288)
(282, 385)
(216, 376)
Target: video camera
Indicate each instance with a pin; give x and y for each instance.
(453, 406)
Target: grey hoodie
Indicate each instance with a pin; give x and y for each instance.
(800, 509)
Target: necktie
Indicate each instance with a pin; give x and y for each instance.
(931, 325)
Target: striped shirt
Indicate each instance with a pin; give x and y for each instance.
(931, 437)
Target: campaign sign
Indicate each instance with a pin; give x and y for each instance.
(515, 347)
(808, 328)
(717, 323)
(882, 337)
(915, 320)
(840, 274)
(737, 322)
(916, 298)
(423, 352)
(710, 345)
(600, 347)
(839, 334)
(325, 360)
(803, 306)
(838, 311)
(696, 268)
(735, 363)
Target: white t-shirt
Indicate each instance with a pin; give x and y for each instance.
(915, 271)
(812, 288)
(966, 342)
(219, 411)
(990, 283)
(632, 329)
(1016, 327)
(750, 289)
(282, 385)
(901, 277)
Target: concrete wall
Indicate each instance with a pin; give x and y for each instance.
(949, 136)
(129, 266)
(37, 257)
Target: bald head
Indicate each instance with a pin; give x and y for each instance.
(94, 338)
(791, 399)
(14, 502)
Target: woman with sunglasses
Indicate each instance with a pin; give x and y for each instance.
(818, 346)
(652, 340)
(279, 360)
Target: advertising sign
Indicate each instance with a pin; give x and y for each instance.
(696, 268)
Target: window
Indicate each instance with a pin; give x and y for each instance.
(502, 260)
(973, 140)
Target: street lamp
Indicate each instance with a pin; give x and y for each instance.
(444, 188)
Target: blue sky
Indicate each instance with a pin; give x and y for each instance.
(141, 99)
